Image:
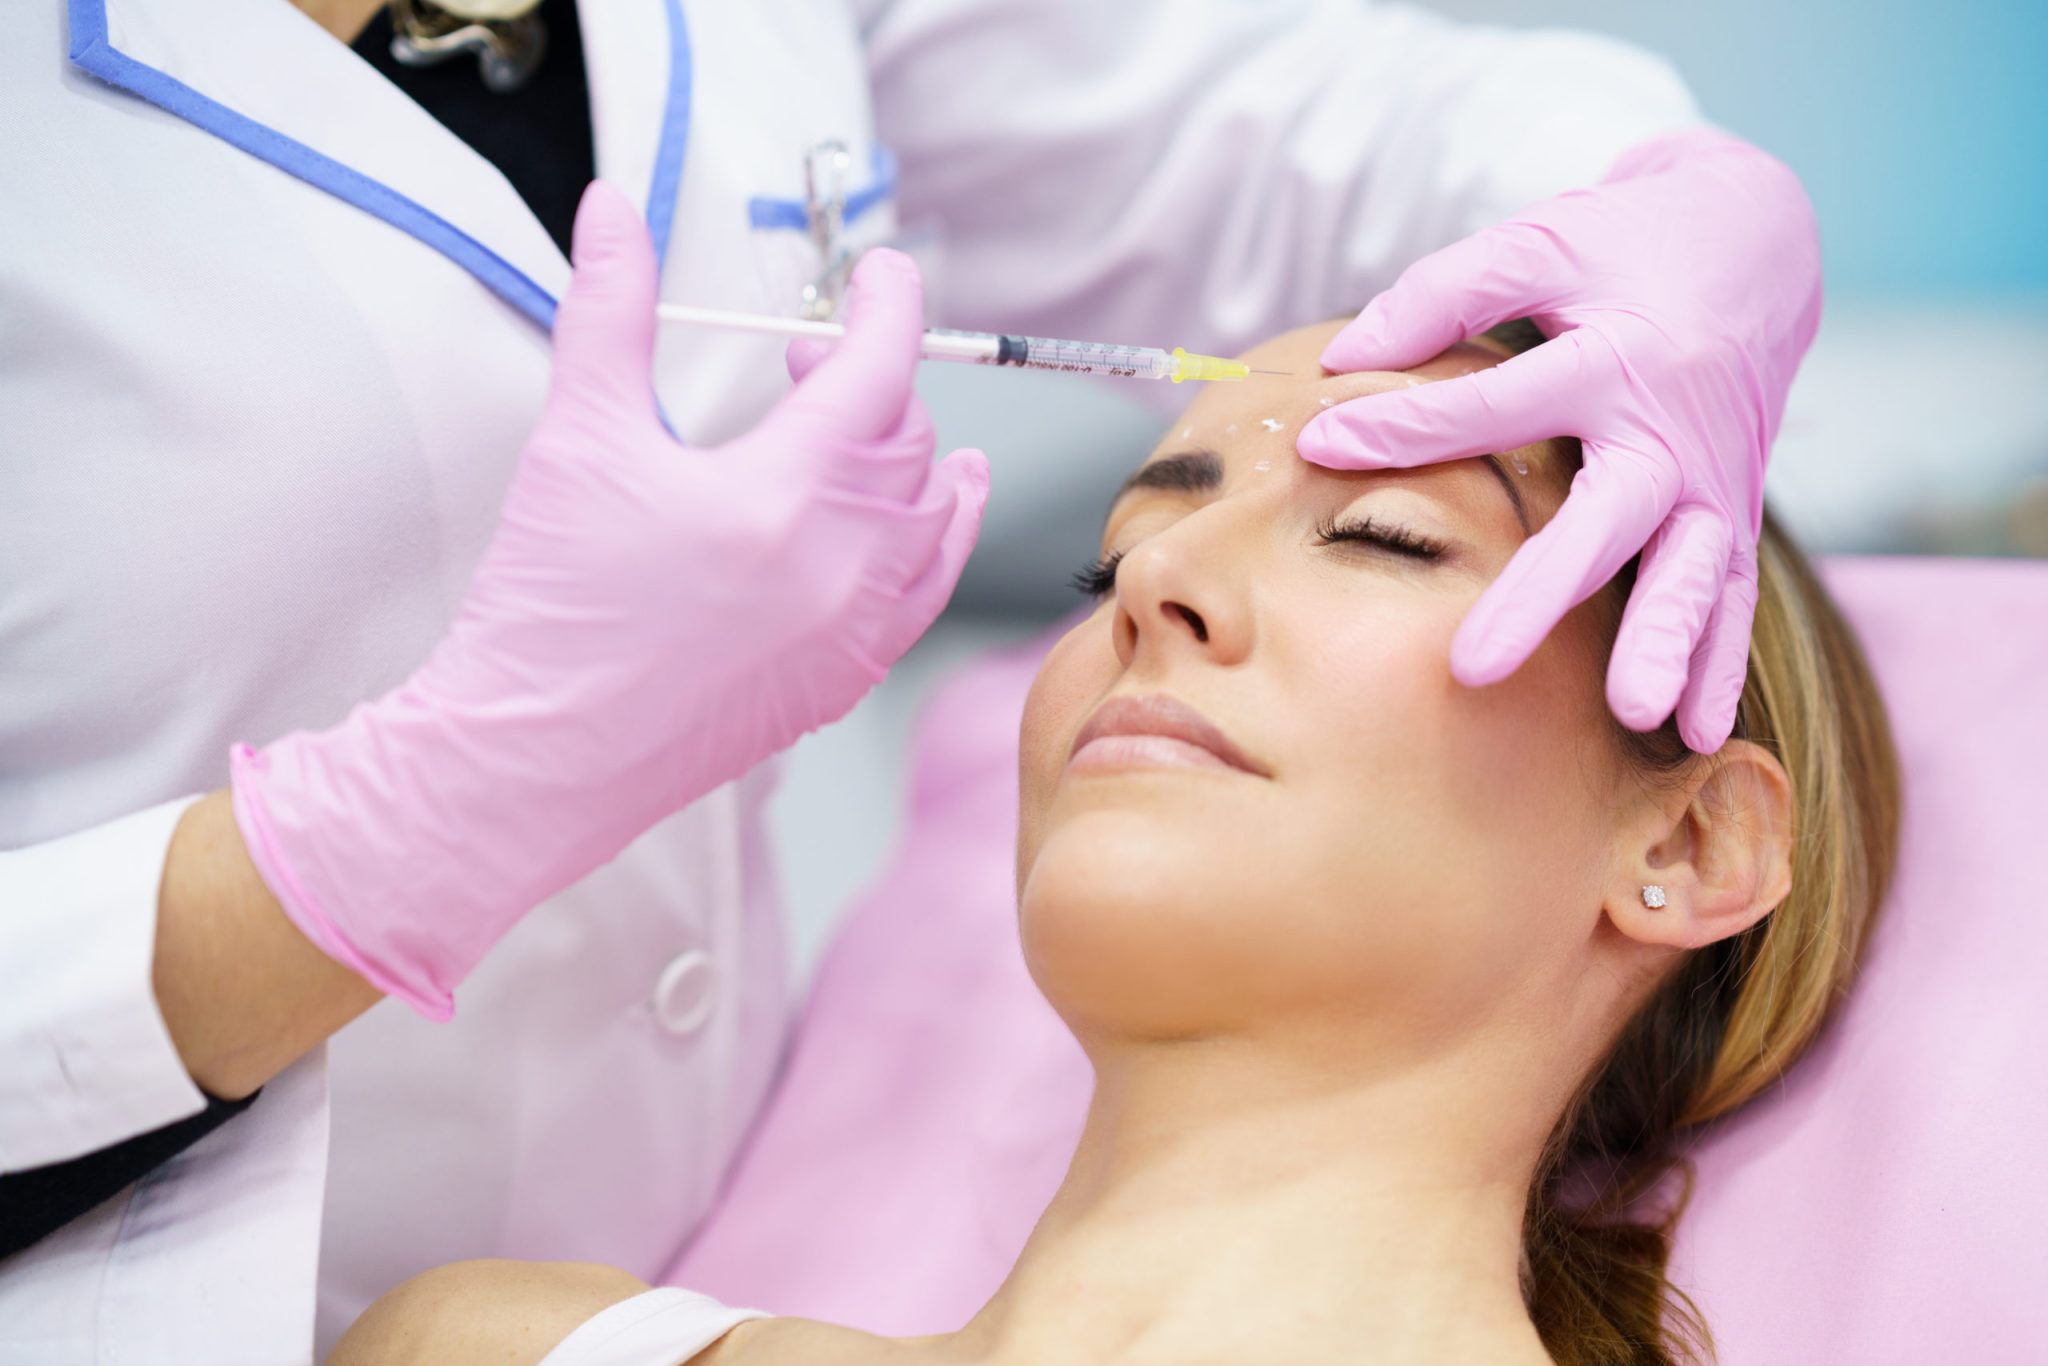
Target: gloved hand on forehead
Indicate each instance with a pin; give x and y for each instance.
(649, 621)
(1678, 295)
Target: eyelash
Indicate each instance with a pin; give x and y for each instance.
(1097, 578)
(1399, 540)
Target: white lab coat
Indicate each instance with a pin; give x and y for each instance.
(254, 437)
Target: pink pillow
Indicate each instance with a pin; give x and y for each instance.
(1882, 1206)
(1887, 1204)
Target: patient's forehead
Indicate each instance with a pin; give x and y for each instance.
(1253, 424)
(1283, 401)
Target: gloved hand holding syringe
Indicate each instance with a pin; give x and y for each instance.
(641, 628)
(992, 348)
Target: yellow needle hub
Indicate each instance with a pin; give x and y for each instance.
(1188, 365)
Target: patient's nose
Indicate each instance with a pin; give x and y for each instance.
(1170, 598)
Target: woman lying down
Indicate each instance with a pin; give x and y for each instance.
(1396, 992)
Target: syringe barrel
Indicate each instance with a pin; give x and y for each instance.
(1049, 353)
(1092, 358)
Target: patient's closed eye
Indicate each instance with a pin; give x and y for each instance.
(1389, 536)
(1096, 578)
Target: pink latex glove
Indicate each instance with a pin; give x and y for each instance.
(1679, 295)
(648, 622)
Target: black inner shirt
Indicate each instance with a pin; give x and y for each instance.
(538, 135)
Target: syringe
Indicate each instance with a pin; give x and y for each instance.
(992, 348)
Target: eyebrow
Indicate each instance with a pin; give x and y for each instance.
(1202, 472)
(1500, 472)
(1185, 472)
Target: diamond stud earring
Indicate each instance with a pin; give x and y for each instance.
(1653, 897)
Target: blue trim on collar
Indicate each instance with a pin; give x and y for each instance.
(764, 212)
(91, 52)
(667, 183)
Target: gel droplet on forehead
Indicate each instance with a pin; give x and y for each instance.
(1271, 424)
(1262, 466)
(1186, 432)
(1326, 402)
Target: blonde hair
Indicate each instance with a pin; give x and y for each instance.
(1731, 1017)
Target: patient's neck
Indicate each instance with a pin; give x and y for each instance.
(1225, 1205)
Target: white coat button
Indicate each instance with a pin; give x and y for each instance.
(685, 992)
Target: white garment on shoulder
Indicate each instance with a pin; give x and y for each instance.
(664, 1327)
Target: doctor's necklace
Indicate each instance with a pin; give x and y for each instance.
(506, 36)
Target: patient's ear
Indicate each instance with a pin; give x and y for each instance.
(1719, 844)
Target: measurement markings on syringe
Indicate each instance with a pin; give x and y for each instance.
(1068, 367)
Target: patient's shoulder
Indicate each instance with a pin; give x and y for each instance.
(506, 1313)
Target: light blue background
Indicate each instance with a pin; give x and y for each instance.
(1920, 130)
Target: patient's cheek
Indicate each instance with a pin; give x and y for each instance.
(1075, 674)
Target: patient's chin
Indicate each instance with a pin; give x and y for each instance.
(1134, 929)
(1106, 930)
(1150, 921)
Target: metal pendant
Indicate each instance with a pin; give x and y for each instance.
(825, 171)
(507, 50)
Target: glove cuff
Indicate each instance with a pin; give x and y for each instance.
(249, 772)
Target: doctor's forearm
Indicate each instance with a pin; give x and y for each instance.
(242, 991)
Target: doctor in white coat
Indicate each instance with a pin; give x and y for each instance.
(344, 659)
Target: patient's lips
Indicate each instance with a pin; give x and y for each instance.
(1154, 731)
